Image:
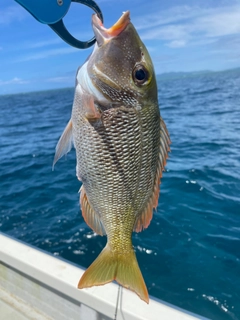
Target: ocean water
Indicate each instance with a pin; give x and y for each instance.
(190, 254)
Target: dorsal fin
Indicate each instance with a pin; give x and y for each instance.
(91, 218)
(143, 220)
(64, 144)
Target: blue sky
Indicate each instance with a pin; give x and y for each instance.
(182, 35)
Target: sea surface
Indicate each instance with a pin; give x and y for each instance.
(190, 254)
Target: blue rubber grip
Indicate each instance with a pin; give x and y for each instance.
(46, 11)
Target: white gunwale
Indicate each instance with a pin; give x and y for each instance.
(46, 282)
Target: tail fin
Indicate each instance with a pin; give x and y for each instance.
(110, 266)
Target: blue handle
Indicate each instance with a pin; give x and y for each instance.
(51, 12)
(46, 11)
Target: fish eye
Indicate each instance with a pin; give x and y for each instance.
(140, 75)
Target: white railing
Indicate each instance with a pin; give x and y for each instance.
(49, 285)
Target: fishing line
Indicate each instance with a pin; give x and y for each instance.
(121, 302)
(116, 310)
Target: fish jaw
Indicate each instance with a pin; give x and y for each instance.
(117, 57)
(102, 34)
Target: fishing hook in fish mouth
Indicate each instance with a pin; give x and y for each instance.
(51, 12)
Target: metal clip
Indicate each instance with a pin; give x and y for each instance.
(51, 12)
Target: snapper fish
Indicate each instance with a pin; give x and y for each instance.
(122, 144)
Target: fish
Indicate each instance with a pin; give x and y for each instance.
(122, 144)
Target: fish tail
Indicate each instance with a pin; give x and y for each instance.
(111, 266)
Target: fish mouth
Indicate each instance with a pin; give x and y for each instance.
(103, 34)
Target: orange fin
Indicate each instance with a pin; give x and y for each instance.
(64, 144)
(164, 138)
(143, 221)
(90, 110)
(91, 218)
(111, 266)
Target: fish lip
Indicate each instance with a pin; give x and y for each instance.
(103, 33)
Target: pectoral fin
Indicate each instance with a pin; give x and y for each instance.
(90, 110)
(64, 144)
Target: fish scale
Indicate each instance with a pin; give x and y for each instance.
(107, 151)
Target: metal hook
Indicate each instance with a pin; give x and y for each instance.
(51, 12)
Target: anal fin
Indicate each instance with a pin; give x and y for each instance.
(91, 218)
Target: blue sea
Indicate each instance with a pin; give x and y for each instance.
(190, 254)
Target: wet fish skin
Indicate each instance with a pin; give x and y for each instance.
(121, 146)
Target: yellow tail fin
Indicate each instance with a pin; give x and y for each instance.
(111, 266)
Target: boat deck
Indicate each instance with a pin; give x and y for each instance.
(13, 308)
(36, 285)
(9, 312)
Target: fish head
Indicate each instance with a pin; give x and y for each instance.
(120, 66)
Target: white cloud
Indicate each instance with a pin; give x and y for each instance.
(185, 25)
(12, 14)
(13, 81)
(56, 40)
(60, 79)
(177, 44)
(168, 32)
(47, 53)
(160, 18)
(219, 23)
(232, 42)
(45, 43)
